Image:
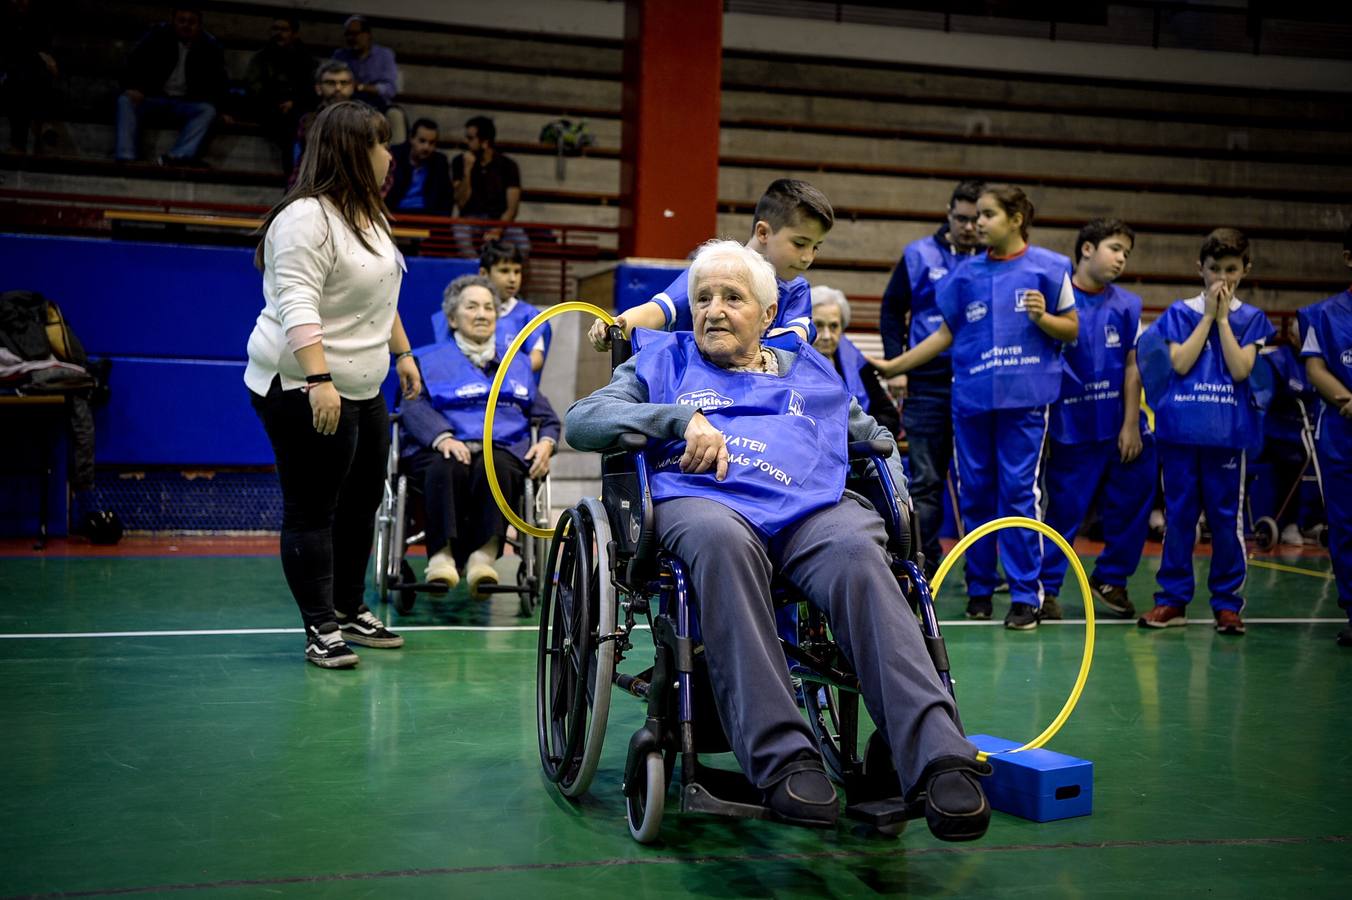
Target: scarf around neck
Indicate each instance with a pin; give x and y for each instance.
(478, 352)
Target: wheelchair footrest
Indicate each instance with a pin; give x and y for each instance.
(422, 587)
(501, 589)
(723, 793)
(880, 813)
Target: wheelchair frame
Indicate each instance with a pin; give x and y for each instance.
(392, 574)
(604, 563)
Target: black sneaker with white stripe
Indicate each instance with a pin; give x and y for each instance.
(325, 647)
(365, 629)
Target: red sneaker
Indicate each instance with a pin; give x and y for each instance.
(1229, 622)
(1163, 616)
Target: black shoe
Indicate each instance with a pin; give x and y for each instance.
(803, 795)
(365, 629)
(980, 607)
(1345, 637)
(1051, 608)
(324, 646)
(1021, 617)
(956, 808)
(1113, 597)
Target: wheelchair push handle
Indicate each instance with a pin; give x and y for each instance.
(876, 447)
(620, 346)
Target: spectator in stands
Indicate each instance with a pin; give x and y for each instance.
(376, 71)
(908, 316)
(446, 446)
(422, 176)
(831, 315)
(334, 82)
(28, 70)
(317, 357)
(278, 84)
(487, 186)
(176, 71)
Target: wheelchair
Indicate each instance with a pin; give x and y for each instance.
(606, 571)
(400, 513)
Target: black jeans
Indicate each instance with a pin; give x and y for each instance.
(459, 504)
(331, 486)
(928, 417)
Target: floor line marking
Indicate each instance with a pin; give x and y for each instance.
(666, 860)
(1280, 567)
(232, 632)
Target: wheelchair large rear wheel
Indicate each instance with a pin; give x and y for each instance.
(644, 808)
(827, 720)
(576, 654)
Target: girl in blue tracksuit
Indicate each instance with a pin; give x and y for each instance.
(1099, 438)
(1206, 417)
(1326, 328)
(1006, 314)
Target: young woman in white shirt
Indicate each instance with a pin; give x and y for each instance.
(317, 356)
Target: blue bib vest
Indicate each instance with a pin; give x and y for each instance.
(928, 262)
(1331, 322)
(1091, 404)
(1205, 407)
(851, 362)
(1001, 359)
(459, 390)
(786, 436)
(509, 326)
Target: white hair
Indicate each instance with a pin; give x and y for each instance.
(829, 296)
(732, 258)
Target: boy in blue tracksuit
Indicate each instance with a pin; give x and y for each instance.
(791, 220)
(1327, 351)
(1006, 314)
(908, 316)
(1099, 438)
(1206, 418)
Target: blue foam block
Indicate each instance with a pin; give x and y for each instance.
(1041, 785)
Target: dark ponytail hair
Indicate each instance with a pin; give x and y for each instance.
(1012, 200)
(336, 165)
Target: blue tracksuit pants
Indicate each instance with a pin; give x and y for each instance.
(1075, 475)
(998, 457)
(1196, 479)
(1337, 481)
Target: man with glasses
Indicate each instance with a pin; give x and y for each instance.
(908, 316)
(334, 82)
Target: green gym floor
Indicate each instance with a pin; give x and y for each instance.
(162, 735)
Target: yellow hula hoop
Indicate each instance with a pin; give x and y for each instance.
(512, 349)
(1046, 530)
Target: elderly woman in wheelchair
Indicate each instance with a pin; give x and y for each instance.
(445, 444)
(746, 458)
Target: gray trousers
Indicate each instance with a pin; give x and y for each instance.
(837, 557)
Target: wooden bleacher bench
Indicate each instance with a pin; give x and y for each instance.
(210, 221)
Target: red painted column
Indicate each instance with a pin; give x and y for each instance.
(673, 70)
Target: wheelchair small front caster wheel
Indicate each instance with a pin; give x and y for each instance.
(644, 807)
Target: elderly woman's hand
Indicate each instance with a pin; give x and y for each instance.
(449, 446)
(538, 457)
(597, 334)
(705, 448)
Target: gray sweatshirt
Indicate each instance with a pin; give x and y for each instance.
(595, 422)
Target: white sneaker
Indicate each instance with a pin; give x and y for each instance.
(1291, 535)
(441, 567)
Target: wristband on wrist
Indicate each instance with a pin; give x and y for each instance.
(319, 379)
(399, 356)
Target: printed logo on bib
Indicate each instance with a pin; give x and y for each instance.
(471, 390)
(1295, 385)
(937, 273)
(1021, 300)
(704, 399)
(1346, 358)
(520, 390)
(976, 311)
(795, 403)
(1110, 336)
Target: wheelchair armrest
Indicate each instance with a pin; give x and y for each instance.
(876, 447)
(395, 416)
(633, 442)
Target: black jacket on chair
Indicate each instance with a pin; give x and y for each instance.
(438, 197)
